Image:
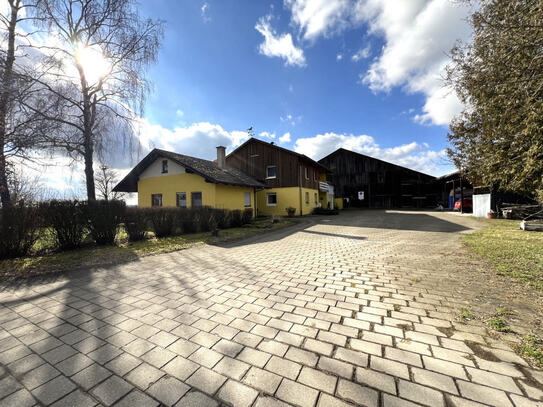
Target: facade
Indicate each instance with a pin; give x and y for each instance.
(363, 181)
(164, 178)
(292, 179)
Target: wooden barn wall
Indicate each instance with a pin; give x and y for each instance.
(385, 185)
(254, 157)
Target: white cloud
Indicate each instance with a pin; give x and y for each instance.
(285, 138)
(280, 46)
(205, 12)
(418, 35)
(317, 18)
(362, 53)
(266, 134)
(339, 57)
(290, 119)
(413, 155)
(179, 113)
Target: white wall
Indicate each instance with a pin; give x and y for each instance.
(155, 169)
(481, 205)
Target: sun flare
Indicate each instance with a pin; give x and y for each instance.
(94, 64)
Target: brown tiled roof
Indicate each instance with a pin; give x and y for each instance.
(205, 168)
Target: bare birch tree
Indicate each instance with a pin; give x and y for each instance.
(98, 53)
(106, 178)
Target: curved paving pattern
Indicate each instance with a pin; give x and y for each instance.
(347, 311)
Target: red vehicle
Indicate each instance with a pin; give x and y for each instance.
(468, 205)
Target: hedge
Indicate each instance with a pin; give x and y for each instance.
(19, 226)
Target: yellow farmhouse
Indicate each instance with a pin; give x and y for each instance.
(292, 179)
(164, 178)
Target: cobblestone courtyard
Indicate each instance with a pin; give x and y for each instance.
(339, 311)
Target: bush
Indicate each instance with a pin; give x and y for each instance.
(136, 222)
(68, 220)
(236, 218)
(164, 220)
(247, 216)
(324, 211)
(104, 219)
(224, 218)
(19, 226)
(205, 218)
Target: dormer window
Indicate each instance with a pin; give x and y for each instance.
(271, 172)
(164, 166)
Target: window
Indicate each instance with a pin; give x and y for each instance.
(307, 198)
(272, 199)
(316, 199)
(247, 199)
(164, 166)
(156, 200)
(271, 171)
(196, 199)
(182, 199)
(306, 176)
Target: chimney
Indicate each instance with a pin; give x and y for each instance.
(221, 152)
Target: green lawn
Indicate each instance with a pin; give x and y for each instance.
(47, 261)
(512, 251)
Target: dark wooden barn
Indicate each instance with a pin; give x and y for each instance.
(364, 181)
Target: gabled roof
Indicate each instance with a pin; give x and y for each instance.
(376, 159)
(302, 157)
(207, 169)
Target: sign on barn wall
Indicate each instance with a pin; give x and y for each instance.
(361, 195)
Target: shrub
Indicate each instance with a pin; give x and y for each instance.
(163, 220)
(69, 221)
(236, 218)
(104, 219)
(19, 227)
(205, 219)
(224, 218)
(136, 222)
(325, 211)
(247, 216)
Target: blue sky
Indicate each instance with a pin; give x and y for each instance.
(310, 75)
(217, 67)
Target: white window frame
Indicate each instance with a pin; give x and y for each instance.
(268, 198)
(177, 199)
(267, 168)
(153, 202)
(247, 202)
(306, 173)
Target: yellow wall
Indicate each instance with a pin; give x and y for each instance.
(286, 197)
(231, 197)
(215, 195)
(338, 203)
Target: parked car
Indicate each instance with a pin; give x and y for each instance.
(468, 205)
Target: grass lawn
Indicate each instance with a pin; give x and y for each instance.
(95, 256)
(511, 251)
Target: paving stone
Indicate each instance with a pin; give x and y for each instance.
(196, 399)
(168, 390)
(436, 380)
(180, 368)
(447, 368)
(357, 394)
(206, 357)
(262, 380)
(74, 364)
(231, 367)
(318, 347)
(389, 366)
(420, 394)
(266, 401)
(206, 380)
(76, 399)
(39, 376)
(91, 376)
(325, 400)
(158, 356)
(347, 355)
(227, 347)
(53, 390)
(254, 357)
(376, 380)
(21, 398)
(483, 394)
(111, 390)
(296, 393)
(137, 398)
(301, 356)
(8, 385)
(283, 367)
(237, 394)
(144, 375)
(123, 364)
(493, 380)
(393, 401)
(317, 379)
